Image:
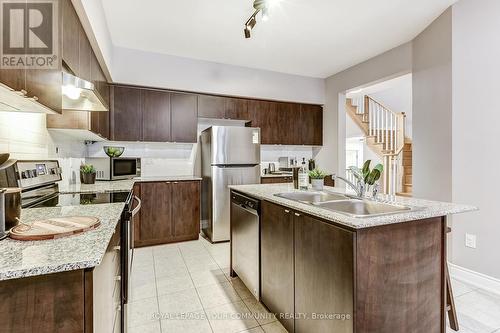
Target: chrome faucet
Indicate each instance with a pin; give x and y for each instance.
(359, 187)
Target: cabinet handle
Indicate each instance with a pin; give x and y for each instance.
(287, 211)
(118, 278)
(297, 214)
(167, 182)
(35, 98)
(117, 248)
(176, 182)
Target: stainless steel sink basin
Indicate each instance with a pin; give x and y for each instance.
(363, 208)
(312, 197)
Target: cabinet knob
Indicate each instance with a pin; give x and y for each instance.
(297, 214)
(35, 98)
(167, 182)
(287, 211)
(117, 248)
(176, 182)
(118, 278)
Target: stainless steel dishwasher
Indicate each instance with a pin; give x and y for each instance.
(245, 241)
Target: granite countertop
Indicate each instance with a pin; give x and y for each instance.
(104, 186)
(423, 208)
(29, 258)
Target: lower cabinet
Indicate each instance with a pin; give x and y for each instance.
(277, 279)
(276, 180)
(306, 268)
(170, 212)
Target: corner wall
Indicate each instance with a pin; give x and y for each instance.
(432, 111)
(476, 126)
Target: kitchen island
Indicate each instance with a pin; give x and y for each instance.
(326, 271)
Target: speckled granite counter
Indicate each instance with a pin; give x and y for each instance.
(30, 258)
(117, 185)
(424, 208)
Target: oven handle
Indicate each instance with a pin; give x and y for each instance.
(138, 208)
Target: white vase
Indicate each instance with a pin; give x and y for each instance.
(317, 184)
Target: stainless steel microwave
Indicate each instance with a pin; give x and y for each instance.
(115, 168)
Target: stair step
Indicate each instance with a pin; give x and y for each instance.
(408, 188)
(405, 194)
(408, 179)
(408, 170)
(407, 162)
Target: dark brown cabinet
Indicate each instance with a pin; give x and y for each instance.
(155, 226)
(170, 212)
(277, 262)
(236, 108)
(186, 210)
(276, 180)
(324, 275)
(155, 115)
(70, 36)
(211, 107)
(126, 124)
(311, 124)
(184, 117)
(263, 114)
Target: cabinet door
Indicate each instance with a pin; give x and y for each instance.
(186, 210)
(184, 117)
(236, 108)
(70, 36)
(211, 106)
(85, 56)
(287, 131)
(277, 277)
(156, 222)
(155, 115)
(126, 114)
(323, 275)
(311, 119)
(263, 114)
(15, 78)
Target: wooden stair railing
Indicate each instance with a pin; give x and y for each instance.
(386, 130)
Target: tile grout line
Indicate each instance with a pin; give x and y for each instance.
(196, 290)
(156, 287)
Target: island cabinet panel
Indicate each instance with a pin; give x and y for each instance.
(126, 114)
(155, 115)
(277, 262)
(44, 304)
(324, 268)
(170, 212)
(403, 291)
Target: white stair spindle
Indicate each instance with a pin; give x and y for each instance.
(386, 128)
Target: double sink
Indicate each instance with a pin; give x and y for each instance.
(345, 204)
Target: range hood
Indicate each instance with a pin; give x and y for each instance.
(15, 101)
(80, 95)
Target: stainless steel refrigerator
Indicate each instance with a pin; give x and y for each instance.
(230, 155)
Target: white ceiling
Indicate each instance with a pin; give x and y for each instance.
(314, 38)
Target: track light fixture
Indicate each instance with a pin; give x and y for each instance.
(259, 6)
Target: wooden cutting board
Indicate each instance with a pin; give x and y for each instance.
(54, 228)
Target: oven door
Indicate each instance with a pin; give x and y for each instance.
(125, 168)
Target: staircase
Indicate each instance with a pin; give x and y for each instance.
(385, 134)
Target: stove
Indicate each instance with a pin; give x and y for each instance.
(77, 199)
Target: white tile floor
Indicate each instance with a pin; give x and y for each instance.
(186, 288)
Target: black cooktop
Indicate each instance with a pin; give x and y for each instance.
(77, 199)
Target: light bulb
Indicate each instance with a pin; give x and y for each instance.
(71, 91)
(265, 14)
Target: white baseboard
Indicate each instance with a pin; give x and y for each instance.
(476, 279)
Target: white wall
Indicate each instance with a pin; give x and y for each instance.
(164, 71)
(476, 126)
(432, 110)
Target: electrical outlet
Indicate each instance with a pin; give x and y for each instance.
(470, 241)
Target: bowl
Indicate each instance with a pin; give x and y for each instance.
(113, 151)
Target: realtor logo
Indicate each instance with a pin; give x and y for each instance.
(29, 34)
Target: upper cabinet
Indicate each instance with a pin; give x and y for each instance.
(220, 107)
(154, 115)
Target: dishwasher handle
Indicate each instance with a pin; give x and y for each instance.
(246, 208)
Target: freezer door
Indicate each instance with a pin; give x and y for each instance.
(235, 145)
(221, 200)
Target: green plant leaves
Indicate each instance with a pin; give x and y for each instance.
(372, 176)
(316, 174)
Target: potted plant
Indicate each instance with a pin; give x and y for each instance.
(87, 174)
(317, 179)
